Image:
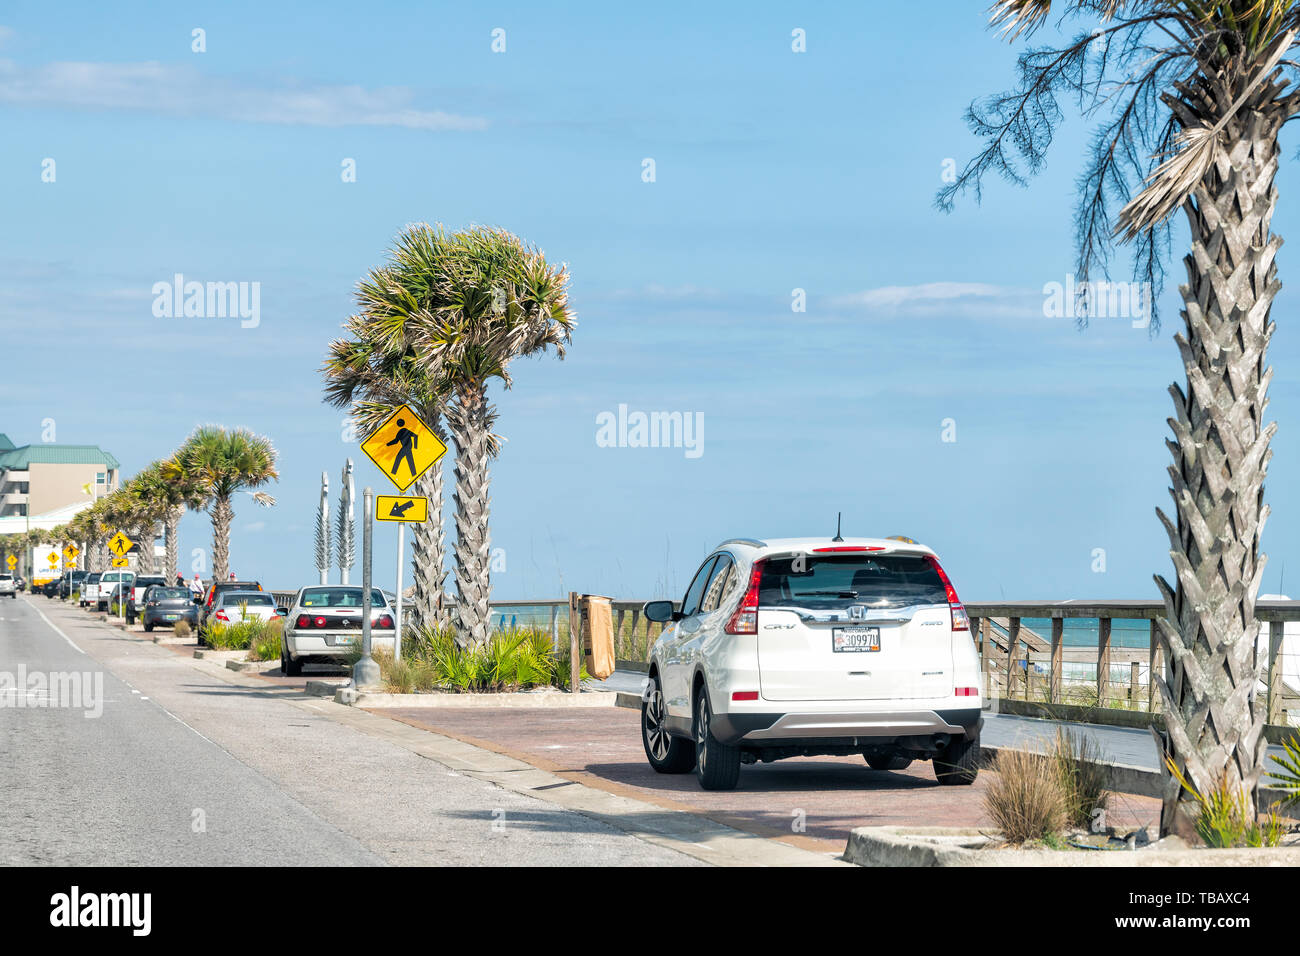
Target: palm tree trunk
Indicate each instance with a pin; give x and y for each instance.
(429, 543)
(1214, 723)
(148, 560)
(471, 433)
(171, 525)
(222, 514)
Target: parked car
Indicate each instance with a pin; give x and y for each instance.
(106, 584)
(164, 606)
(141, 584)
(232, 607)
(808, 647)
(90, 589)
(8, 586)
(71, 581)
(50, 588)
(324, 625)
(210, 596)
(20, 582)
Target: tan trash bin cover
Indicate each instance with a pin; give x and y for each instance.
(598, 635)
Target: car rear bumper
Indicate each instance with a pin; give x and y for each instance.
(325, 645)
(847, 728)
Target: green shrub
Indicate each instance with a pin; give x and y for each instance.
(240, 635)
(1224, 817)
(1026, 798)
(75, 597)
(182, 630)
(265, 645)
(1288, 777)
(508, 661)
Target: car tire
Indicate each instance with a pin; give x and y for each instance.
(888, 761)
(148, 627)
(666, 753)
(288, 666)
(717, 765)
(958, 764)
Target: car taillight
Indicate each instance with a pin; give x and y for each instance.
(845, 547)
(321, 622)
(385, 622)
(745, 618)
(221, 616)
(960, 620)
(303, 621)
(968, 691)
(744, 695)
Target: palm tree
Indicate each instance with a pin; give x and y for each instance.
(499, 300)
(218, 463)
(372, 372)
(173, 489)
(1194, 95)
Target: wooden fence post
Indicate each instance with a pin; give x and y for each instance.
(1058, 654)
(575, 644)
(1103, 659)
(1153, 668)
(1013, 638)
(1276, 630)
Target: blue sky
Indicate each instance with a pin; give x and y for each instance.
(775, 171)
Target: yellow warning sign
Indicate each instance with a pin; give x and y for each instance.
(120, 544)
(121, 562)
(401, 508)
(403, 447)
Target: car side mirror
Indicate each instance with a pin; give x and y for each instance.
(661, 612)
(282, 611)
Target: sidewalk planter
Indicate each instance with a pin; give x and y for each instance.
(958, 846)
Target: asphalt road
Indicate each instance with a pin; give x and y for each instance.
(173, 765)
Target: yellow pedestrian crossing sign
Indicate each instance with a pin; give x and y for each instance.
(54, 559)
(70, 552)
(401, 508)
(120, 544)
(11, 562)
(403, 447)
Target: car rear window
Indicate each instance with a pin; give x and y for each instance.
(6, 577)
(170, 594)
(826, 583)
(252, 600)
(341, 597)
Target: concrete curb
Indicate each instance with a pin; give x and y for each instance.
(956, 846)
(208, 654)
(555, 698)
(322, 688)
(253, 666)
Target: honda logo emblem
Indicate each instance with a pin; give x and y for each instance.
(857, 612)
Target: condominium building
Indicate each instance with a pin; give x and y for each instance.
(38, 480)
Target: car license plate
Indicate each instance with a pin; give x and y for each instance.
(344, 639)
(855, 639)
(172, 617)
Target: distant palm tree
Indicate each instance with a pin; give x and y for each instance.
(218, 463)
(1194, 95)
(375, 370)
(169, 485)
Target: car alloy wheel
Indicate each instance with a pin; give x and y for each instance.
(657, 736)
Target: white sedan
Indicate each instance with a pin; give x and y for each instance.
(324, 626)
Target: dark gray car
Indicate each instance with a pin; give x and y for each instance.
(164, 606)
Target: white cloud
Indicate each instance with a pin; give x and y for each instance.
(944, 299)
(903, 295)
(183, 91)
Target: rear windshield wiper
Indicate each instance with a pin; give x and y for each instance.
(843, 594)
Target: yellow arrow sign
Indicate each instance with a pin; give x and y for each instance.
(401, 508)
(403, 447)
(120, 562)
(119, 544)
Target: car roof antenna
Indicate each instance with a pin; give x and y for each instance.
(838, 516)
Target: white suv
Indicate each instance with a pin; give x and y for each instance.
(812, 646)
(8, 586)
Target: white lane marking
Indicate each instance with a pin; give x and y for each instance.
(55, 628)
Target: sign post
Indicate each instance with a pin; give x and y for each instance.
(365, 672)
(403, 448)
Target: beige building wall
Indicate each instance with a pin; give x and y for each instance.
(56, 485)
